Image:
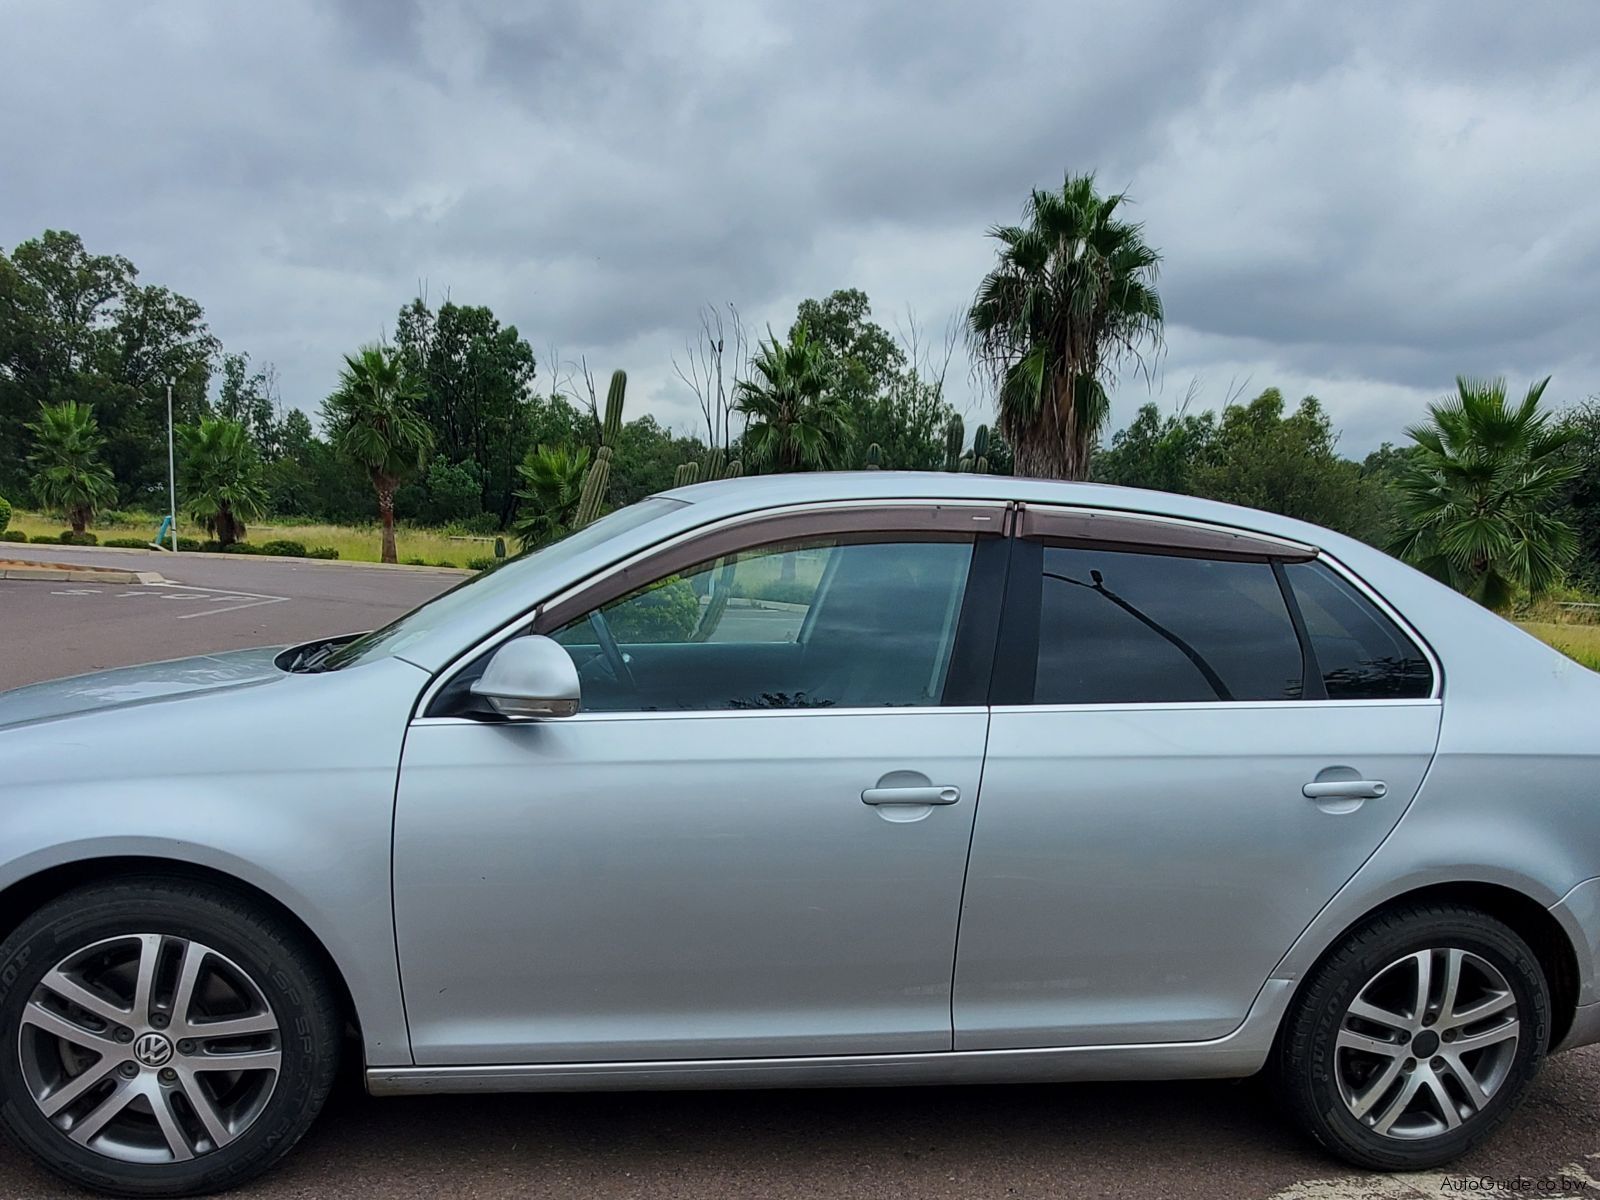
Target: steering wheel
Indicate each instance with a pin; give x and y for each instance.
(615, 659)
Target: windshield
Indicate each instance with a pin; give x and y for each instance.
(484, 586)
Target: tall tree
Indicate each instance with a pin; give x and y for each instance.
(373, 422)
(1071, 296)
(475, 380)
(794, 422)
(1478, 500)
(1581, 507)
(222, 484)
(68, 474)
(76, 326)
(249, 398)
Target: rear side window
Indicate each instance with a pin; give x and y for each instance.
(1128, 628)
(1361, 653)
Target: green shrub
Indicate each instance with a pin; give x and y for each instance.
(416, 562)
(45, 539)
(444, 562)
(668, 611)
(190, 544)
(68, 538)
(778, 591)
(127, 543)
(284, 547)
(13, 535)
(322, 552)
(5, 513)
(483, 564)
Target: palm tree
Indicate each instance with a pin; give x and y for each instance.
(1073, 293)
(554, 475)
(1476, 498)
(68, 474)
(794, 422)
(221, 477)
(374, 423)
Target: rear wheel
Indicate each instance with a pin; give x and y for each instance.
(160, 1037)
(1415, 1038)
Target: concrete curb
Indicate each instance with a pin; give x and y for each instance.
(69, 573)
(167, 556)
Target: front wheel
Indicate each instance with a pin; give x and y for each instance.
(160, 1037)
(1415, 1038)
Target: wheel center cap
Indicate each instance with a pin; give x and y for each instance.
(152, 1049)
(1425, 1043)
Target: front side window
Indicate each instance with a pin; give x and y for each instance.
(817, 623)
(1117, 627)
(1361, 654)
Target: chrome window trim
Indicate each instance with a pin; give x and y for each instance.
(744, 714)
(532, 612)
(1213, 705)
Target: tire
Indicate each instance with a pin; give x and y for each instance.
(1344, 1078)
(235, 1095)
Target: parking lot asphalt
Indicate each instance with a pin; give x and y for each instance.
(1222, 1139)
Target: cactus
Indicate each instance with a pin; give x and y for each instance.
(714, 464)
(733, 470)
(686, 474)
(593, 495)
(874, 457)
(980, 442)
(980, 465)
(594, 488)
(612, 425)
(955, 434)
(965, 465)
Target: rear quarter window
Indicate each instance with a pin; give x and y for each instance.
(1360, 652)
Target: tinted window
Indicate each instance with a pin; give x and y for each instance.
(813, 624)
(1120, 628)
(1361, 653)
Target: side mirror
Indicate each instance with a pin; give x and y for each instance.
(530, 676)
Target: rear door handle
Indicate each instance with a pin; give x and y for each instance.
(911, 795)
(1345, 789)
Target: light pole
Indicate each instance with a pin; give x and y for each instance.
(172, 478)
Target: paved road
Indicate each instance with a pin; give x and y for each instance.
(1146, 1140)
(54, 629)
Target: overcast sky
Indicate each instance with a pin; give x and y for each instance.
(1356, 200)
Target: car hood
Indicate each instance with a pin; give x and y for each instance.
(135, 685)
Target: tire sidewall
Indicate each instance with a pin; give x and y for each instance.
(1350, 974)
(262, 951)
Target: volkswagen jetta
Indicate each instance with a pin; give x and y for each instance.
(851, 779)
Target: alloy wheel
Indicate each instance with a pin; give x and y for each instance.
(1426, 1043)
(149, 1048)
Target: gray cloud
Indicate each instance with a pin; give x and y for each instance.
(1360, 201)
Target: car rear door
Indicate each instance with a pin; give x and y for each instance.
(1198, 737)
(750, 840)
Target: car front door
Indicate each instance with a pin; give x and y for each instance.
(748, 842)
(1198, 738)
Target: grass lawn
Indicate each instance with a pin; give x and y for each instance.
(355, 543)
(1581, 642)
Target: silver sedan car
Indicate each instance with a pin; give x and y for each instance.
(822, 779)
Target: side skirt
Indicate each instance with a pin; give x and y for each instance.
(1240, 1053)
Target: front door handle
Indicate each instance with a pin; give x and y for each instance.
(911, 795)
(1345, 789)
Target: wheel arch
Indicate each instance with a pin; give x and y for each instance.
(1528, 918)
(27, 895)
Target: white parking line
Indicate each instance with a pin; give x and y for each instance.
(217, 596)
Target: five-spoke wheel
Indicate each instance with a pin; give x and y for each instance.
(161, 1037)
(1414, 1037)
(149, 1048)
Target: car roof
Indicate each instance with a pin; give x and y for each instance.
(728, 497)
